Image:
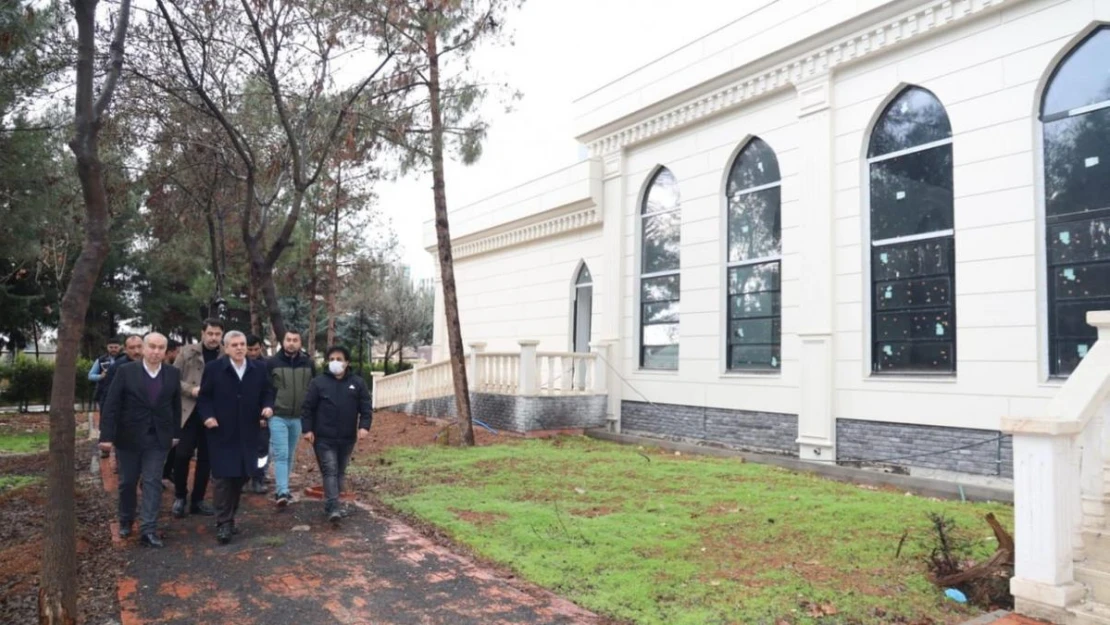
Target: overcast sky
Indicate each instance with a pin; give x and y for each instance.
(564, 49)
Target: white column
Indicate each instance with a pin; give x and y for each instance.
(1046, 493)
(375, 378)
(816, 423)
(473, 376)
(414, 393)
(612, 286)
(601, 366)
(528, 382)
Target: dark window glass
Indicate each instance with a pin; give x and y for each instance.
(911, 293)
(912, 194)
(930, 257)
(755, 166)
(914, 118)
(584, 276)
(754, 227)
(1082, 78)
(755, 322)
(1077, 163)
(1076, 115)
(920, 357)
(660, 251)
(661, 242)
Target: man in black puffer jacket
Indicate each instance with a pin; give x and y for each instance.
(336, 414)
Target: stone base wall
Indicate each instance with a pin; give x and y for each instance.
(742, 429)
(932, 447)
(516, 413)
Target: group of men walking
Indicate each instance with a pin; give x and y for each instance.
(229, 410)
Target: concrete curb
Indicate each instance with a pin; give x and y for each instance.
(987, 619)
(918, 485)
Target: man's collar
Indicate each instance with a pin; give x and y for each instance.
(149, 370)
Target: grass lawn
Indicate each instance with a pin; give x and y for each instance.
(651, 537)
(23, 443)
(12, 482)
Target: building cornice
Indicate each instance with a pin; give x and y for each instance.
(550, 227)
(878, 37)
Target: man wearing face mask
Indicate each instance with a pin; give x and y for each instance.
(336, 414)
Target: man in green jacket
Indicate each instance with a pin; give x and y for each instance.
(291, 371)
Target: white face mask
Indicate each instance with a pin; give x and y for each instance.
(336, 367)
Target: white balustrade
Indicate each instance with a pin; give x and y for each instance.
(393, 390)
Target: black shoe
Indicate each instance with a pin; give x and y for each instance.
(283, 499)
(151, 539)
(335, 516)
(125, 529)
(179, 508)
(258, 488)
(202, 508)
(224, 532)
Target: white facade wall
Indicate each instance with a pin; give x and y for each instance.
(986, 65)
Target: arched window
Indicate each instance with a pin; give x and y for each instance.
(1075, 114)
(583, 309)
(660, 218)
(913, 313)
(754, 259)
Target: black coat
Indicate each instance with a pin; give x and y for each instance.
(110, 373)
(237, 407)
(335, 409)
(128, 412)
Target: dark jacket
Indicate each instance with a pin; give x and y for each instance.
(106, 383)
(237, 407)
(335, 409)
(129, 414)
(290, 378)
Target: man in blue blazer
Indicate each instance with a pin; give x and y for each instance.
(142, 420)
(235, 395)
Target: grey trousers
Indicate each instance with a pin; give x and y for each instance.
(134, 465)
(228, 492)
(332, 457)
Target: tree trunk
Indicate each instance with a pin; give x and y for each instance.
(443, 237)
(265, 275)
(58, 585)
(252, 301)
(333, 277)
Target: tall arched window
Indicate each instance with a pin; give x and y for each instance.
(913, 313)
(660, 218)
(754, 259)
(1075, 113)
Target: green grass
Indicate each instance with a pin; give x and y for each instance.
(12, 482)
(23, 443)
(685, 540)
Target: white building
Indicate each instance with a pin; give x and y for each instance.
(837, 228)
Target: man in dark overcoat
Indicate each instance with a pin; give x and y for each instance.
(142, 420)
(235, 394)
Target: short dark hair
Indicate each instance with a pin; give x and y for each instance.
(132, 336)
(252, 340)
(114, 341)
(214, 322)
(338, 348)
(172, 345)
(290, 331)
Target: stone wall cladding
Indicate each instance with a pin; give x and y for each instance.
(742, 429)
(517, 413)
(879, 440)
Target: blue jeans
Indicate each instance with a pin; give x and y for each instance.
(285, 432)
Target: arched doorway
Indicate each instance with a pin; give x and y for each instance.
(583, 309)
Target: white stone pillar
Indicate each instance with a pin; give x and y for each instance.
(375, 378)
(528, 382)
(1046, 493)
(414, 392)
(611, 287)
(601, 366)
(816, 423)
(473, 375)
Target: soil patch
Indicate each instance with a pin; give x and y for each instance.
(22, 517)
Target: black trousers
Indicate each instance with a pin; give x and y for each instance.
(228, 492)
(263, 451)
(333, 456)
(194, 437)
(136, 464)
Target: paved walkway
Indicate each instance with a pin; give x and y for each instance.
(294, 568)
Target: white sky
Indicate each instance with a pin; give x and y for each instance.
(564, 49)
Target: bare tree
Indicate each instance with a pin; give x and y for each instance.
(441, 114)
(58, 589)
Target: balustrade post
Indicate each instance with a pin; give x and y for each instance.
(601, 358)
(473, 373)
(414, 393)
(375, 378)
(528, 381)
